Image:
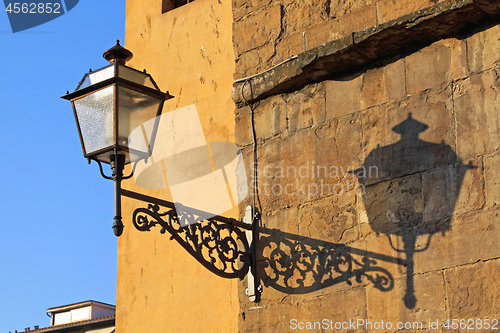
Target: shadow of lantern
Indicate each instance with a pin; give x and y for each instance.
(412, 193)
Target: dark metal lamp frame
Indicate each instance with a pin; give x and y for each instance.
(222, 245)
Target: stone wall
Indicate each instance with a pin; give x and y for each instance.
(378, 189)
(267, 32)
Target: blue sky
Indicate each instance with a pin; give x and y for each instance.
(56, 242)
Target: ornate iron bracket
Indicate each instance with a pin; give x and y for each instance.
(219, 243)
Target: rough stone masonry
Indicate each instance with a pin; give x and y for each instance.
(374, 130)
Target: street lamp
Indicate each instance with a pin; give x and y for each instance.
(108, 104)
(111, 103)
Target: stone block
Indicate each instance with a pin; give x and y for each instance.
(458, 61)
(459, 240)
(472, 290)
(342, 96)
(478, 117)
(428, 68)
(340, 8)
(285, 171)
(373, 88)
(361, 16)
(492, 179)
(306, 108)
(257, 30)
(254, 61)
(338, 147)
(243, 127)
(298, 16)
(453, 189)
(394, 80)
(271, 117)
(384, 84)
(388, 10)
(332, 219)
(341, 26)
(320, 32)
(244, 7)
(284, 220)
(289, 176)
(291, 45)
(484, 50)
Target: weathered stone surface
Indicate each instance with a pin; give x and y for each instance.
(336, 58)
(283, 221)
(257, 30)
(332, 219)
(243, 7)
(478, 116)
(361, 18)
(471, 291)
(463, 240)
(243, 127)
(254, 60)
(340, 8)
(384, 84)
(271, 117)
(427, 67)
(492, 179)
(284, 317)
(319, 33)
(306, 108)
(342, 96)
(288, 175)
(484, 50)
(435, 65)
(298, 16)
(424, 217)
(293, 44)
(388, 10)
(339, 146)
(458, 62)
(453, 189)
(285, 171)
(390, 307)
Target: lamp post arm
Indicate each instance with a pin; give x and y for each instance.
(219, 243)
(170, 204)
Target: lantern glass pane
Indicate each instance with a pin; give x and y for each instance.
(134, 111)
(97, 76)
(136, 76)
(95, 117)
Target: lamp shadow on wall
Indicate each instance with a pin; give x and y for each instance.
(411, 196)
(296, 264)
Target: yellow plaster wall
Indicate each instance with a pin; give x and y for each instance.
(189, 52)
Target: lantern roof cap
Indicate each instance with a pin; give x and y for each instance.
(118, 54)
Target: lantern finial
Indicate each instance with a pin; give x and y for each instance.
(118, 53)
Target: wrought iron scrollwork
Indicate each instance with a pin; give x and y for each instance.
(218, 245)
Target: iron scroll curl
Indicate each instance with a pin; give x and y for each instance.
(219, 246)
